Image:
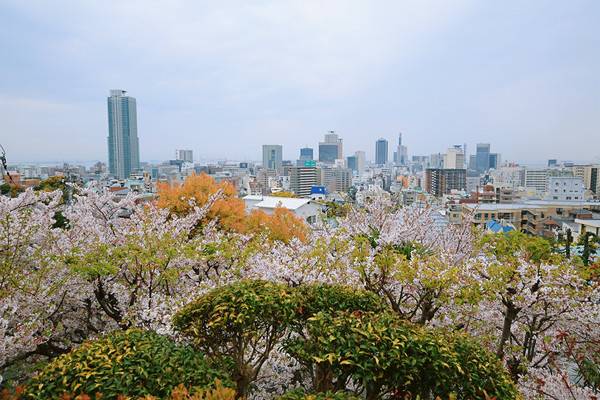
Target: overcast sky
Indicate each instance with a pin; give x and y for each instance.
(223, 78)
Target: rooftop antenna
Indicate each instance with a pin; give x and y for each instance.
(4, 164)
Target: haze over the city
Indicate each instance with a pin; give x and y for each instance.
(225, 79)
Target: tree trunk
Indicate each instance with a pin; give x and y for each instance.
(323, 378)
(509, 317)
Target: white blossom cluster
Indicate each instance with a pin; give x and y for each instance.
(119, 264)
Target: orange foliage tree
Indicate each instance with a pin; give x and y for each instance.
(229, 210)
(282, 225)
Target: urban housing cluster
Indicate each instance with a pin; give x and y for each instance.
(478, 188)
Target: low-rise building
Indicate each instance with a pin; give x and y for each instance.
(536, 217)
(306, 209)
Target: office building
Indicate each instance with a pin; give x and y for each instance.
(439, 182)
(436, 161)
(184, 155)
(536, 178)
(306, 154)
(123, 145)
(331, 149)
(381, 152)
(351, 163)
(361, 161)
(272, 156)
(335, 179)
(494, 161)
(302, 179)
(482, 157)
(454, 158)
(401, 153)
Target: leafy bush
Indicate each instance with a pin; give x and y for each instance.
(481, 372)
(131, 363)
(301, 395)
(243, 322)
(316, 298)
(383, 355)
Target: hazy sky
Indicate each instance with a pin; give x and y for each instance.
(223, 78)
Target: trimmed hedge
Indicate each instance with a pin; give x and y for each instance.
(132, 363)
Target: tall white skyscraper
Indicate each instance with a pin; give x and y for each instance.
(123, 145)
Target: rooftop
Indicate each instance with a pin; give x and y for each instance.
(274, 201)
(530, 204)
(588, 222)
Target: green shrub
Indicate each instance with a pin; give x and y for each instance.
(131, 363)
(482, 371)
(316, 298)
(301, 395)
(243, 321)
(383, 355)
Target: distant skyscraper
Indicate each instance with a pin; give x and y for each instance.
(401, 153)
(361, 161)
(494, 160)
(331, 149)
(306, 154)
(272, 156)
(123, 145)
(482, 157)
(184, 155)
(381, 152)
(351, 163)
(454, 158)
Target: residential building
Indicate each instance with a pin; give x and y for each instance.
(381, 152)
(439, 182)
(123, 144)
(536, 217)
(565, 188)
(184, 155)
(302, 178)
(536, 178)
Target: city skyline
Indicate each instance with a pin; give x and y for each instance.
(443, 74)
